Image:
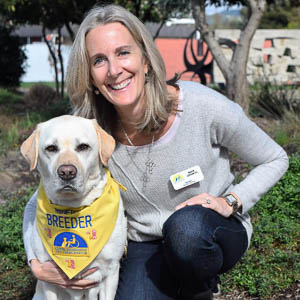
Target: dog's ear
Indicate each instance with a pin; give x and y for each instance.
(30, 149)
(106, 143)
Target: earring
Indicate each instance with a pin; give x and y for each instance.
(147, 77)
(96, 92)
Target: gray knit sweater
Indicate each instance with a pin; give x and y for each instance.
(210, 125)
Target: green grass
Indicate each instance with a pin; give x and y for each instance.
(11, 136)
(10, 98)
(272, 263)
(30, 84)
(17, 119)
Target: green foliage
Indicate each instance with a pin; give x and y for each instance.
(285, 15)
(9, 98)
(19, 118)
(274, 100)
(12, 58)
(30, 84)
(274, 19)
(40, 95)
(15, 278)
(17, 284)
(11, 243)
(282, 138)
(281, 105)
(272, 262)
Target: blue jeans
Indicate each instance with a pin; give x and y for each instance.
(197, 244)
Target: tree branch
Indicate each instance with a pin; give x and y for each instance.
(240, 56)
(207, 36)
(70, 30)
(52, 53)
(61, 62)
(162, 23)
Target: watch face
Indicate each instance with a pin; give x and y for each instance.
(232, 202)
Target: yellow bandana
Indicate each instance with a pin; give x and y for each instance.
(73, 237)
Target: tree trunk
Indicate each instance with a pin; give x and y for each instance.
(234, 71)
(61, 62)
(52, 53)
(70, 31)
(237, 89)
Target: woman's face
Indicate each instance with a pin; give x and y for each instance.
(117, 65)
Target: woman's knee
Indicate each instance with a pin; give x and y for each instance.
(185, 220)
(187, 231)
(189, 245)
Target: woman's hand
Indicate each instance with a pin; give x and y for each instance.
(217, 204)
(51, 273)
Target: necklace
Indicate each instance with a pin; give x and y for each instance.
(149, 163)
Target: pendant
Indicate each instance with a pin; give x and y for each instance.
(149, 165)
(148, 171)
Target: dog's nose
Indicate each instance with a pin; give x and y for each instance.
(67, 172)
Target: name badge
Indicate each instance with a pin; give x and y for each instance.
(187, 177)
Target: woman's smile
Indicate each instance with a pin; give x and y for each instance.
(120, 86)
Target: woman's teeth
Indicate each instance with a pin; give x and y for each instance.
(121, 85)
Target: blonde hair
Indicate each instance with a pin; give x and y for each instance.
(158, 102)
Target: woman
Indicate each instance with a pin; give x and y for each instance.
(187, 221)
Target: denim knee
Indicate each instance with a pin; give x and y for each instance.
(186, 233)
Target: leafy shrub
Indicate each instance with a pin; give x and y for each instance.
(12, 58)
(16, 281)
(273, 101)
(40, 96)
(60, 107)
(272, 262)
(7, 97)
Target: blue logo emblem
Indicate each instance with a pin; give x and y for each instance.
(177, 178)
(71, 244)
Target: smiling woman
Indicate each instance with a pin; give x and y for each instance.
(124, 59)
(118, 68)
(188, 221)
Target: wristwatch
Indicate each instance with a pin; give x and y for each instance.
(231, 201)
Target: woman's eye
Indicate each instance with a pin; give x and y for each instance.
(124, 53)
(51, 148)
(98, 61)
(82, 147)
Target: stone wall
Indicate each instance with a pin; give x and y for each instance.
(274, 54)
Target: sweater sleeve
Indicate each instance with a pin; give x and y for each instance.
(255, 147)
(28, 223)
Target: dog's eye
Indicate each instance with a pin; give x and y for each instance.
(82, 147)
(52, 148)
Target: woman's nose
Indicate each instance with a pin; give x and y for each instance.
(114, 68)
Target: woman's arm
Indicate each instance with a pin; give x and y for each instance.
(48, 271)
(228, 127)
(268, 159)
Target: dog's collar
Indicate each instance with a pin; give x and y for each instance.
(73, 237)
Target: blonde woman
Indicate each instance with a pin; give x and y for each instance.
(187, 219)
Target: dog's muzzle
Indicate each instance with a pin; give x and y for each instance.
(67, 172)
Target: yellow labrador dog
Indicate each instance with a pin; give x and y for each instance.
(80, 220)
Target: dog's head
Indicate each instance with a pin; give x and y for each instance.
(69, 152)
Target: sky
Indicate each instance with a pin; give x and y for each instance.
(210, 10)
